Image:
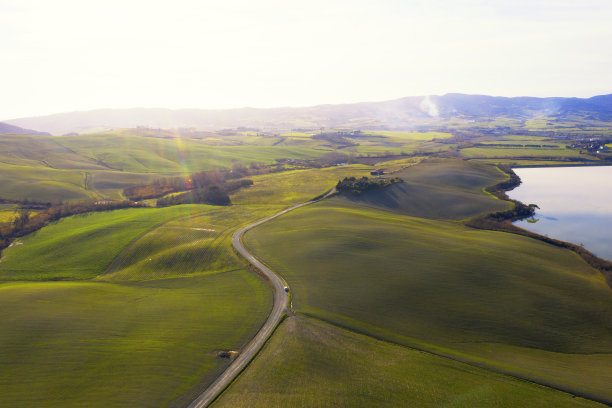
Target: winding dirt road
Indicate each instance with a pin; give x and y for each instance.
(280, 307)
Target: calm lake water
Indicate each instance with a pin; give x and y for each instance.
(575, 204)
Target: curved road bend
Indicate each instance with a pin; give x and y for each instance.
(281, 299)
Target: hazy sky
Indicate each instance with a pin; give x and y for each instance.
(66, 55)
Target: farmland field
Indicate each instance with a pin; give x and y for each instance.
(187, 246)
(133, 153)
(296, 186)
(131, 307)
(71, 247)
(484, 152)
(308, 363)
(450, 189)
(496, 300)
(149, 344)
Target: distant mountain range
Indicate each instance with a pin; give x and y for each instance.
(409, 112)
(16, 130)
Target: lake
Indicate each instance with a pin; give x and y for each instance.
(575, 204)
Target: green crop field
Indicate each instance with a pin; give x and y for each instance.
(131, 307)
(134, 153)
(75, 344)
(528, 162)
(82, 246)
(309, 364)
(484, 152)
(152, 341)
(18, 182)
(293, 187)
(403, 135)
(187, 246)
(438, 189)
(45, 151)
(476, 295)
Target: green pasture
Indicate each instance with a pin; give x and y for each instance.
(82, 246)
(527, 163)
(538, 143)
(142, 154)
(502, 152)
(294, 187)
(39, 183)
(407, 135)
(520, 139)
(441, 286)
(8, 213)
(377, 150)
(45, 151)
(186, 246)
(437, 189)
(76, 344)
(309, 364)
(396, 165)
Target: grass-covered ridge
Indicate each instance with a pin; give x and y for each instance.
(75, 344)
(186, 246)
(294, 187)
(308, 363)
(152, 341)
(439, 285)
(135, 153)
(451, 189)
(81, 246)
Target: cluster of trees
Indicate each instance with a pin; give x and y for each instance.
(357, 186)
(209, 194)
(26, 222)
(158, 188)
(200, 181)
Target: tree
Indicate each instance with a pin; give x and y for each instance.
(22, 219)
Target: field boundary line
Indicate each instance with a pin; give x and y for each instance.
(483, 366)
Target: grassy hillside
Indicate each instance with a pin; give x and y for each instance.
(308, 363)
(439, 285)
(437, 189)
(187, 246)
(76, 344)
(503, 152)
(82, 246)
(152, 341)
(46, 151)
(296, 186)
(134, 153)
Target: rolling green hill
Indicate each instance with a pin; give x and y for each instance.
(292, 187)
(133, 153)
(168, 295)
(437, 189)
(75, 344)
(191, 245)
(308, 363)
(82, 246)
(497, 300)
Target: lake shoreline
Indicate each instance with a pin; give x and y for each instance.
(503, 221)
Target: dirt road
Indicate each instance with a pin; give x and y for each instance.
(280, 307)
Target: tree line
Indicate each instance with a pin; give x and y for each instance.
(357, 186)
(26, 222)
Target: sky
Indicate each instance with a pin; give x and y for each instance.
(66, 55)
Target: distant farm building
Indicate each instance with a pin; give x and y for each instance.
(377, 172)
